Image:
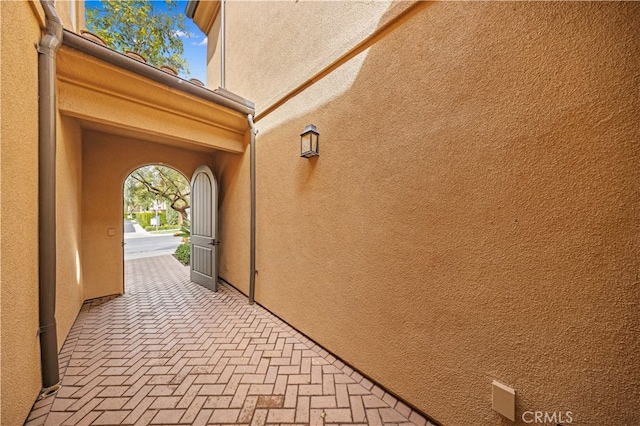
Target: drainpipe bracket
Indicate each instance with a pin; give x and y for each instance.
(45, 328)
(50, 391)
(45, 50)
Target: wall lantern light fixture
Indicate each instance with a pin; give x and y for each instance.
(309, 142)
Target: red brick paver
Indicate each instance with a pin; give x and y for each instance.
(171, 352)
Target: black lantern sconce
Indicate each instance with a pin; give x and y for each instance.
(309, 142)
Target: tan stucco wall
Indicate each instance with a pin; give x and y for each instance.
(107, 161)
(234, 213)
(71, 13)
(20, 380)
(69, 291)
(104, 96)
(474, 211)
(264, 51)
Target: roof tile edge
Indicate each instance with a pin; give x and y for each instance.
(220, 96)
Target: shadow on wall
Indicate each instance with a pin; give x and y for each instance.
(463, 198)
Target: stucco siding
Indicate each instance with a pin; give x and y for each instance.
(20, 380)
(107, 160)
(280, 44)
(234, 218)
(71, 13)
(69, 292)
(473, 214)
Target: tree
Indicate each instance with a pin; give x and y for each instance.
(136, 197)
(147, 183)
(141, 26)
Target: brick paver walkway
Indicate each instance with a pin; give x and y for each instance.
(172, 352)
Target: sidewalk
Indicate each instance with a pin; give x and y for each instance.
(171, 352)
(140, 232)
(133, 231)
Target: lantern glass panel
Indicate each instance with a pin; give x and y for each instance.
(309, 142)
(305, 141)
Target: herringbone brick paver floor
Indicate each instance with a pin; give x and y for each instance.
(171, 352)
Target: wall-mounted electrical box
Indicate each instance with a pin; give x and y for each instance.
(503, 400)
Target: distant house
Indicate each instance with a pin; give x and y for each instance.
(472, 215)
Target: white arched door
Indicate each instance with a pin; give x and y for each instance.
(204, 221)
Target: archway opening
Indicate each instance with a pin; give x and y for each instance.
(156, 207)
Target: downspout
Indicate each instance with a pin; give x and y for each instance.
(47, 48)
(252, 172)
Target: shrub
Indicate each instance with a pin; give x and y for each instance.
(172, 216)
(144, 218)
(183, 253)
(160, 228)
(185, 232)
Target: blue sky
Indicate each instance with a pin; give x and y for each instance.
(195, 42)
(195, 48)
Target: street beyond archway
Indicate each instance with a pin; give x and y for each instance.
(139, 243)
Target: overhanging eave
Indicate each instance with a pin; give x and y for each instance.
(138, 97)
(203, 13)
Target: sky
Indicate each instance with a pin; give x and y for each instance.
(195, 42)
(195, 48)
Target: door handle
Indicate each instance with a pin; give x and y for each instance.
(215, 243)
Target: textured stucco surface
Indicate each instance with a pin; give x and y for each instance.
(71, 12)
(474, 211)
(234, 214)
(104, 96)
(256, 44)
(69, 291)
(20, 380)
(107, 160)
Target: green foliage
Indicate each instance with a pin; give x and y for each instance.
(136, 197)
(140, 26)
(161, 228)
(172, 217)
(183, 253)
(144, 218)
(185, 232)
(149, 185)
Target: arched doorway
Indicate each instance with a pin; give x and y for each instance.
(204, 232)
(159, 203)
(156, 203)
(107, 162)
